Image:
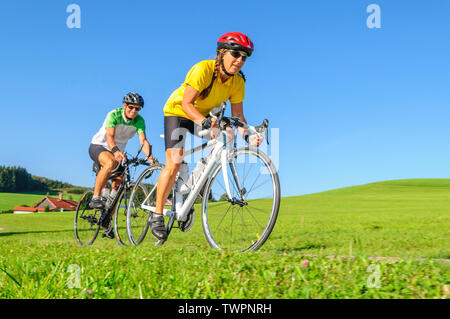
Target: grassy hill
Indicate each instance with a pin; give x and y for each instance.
(392, 218)
(409, 219)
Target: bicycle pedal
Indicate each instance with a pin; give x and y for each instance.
(160, 242)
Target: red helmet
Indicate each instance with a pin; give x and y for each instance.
(235, 41)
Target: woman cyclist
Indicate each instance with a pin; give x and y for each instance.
(207, 84)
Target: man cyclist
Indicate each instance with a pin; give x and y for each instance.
(108, 145)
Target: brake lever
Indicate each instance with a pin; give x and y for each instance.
(224, 122)
(217, 112)
(266, 130)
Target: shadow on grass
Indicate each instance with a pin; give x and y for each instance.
(302, 248)
(4, 234)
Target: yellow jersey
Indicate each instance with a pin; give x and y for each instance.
(199, 77)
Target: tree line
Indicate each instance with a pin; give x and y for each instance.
(16, 180)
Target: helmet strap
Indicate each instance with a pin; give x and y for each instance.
(223, 66)
(125, 115)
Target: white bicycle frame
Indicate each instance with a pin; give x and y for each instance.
(221, 153)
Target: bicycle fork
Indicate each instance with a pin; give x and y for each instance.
(226, 158)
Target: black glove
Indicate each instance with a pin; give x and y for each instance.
(246, 136)
(206, 123)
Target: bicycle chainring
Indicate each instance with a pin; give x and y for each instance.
(187, 225)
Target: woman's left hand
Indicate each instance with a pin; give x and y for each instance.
(255, 139)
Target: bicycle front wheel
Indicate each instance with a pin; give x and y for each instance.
(142, 198)
(120, 216)
(86, 224)
(244, 222)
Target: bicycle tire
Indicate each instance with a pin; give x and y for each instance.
(220, 219)
(86, 226)
(138, 218)
(120, 217)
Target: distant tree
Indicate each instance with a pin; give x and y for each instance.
(17, 180)
(76, 190)
(223, 197)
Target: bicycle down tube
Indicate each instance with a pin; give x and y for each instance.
(214, 158)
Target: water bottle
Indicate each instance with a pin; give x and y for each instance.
(194, 177)
(182, 176)
(105, 192)
(112, 196)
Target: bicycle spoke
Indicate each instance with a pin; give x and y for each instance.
(231, 226)
(257, 187)
(138, 217)
(238, 228)
(217, 204)
(261, 227)
(86, 227)
(248, 173)
(244, 226)
(251, 188)
(259, 209)
(223, 217)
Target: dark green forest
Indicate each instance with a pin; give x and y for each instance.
(18, 180)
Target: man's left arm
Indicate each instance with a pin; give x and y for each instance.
(147, 148)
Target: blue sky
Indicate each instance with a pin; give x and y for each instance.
(353, 105)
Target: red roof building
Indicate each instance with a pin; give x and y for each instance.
(53, 204)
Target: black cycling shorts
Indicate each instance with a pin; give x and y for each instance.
(94, 152)
(175, 131)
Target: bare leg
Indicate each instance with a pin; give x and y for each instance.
(174, 158)
(108, 163)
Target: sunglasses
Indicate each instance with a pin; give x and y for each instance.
(237, 54)
(136, 108)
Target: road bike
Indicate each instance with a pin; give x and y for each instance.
(239, 211)
(88, 221)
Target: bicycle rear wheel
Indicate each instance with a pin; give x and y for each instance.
(143, 196)
(244, 222)
(86, 226)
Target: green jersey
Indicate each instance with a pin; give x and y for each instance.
(125, 129)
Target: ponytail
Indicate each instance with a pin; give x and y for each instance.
(204, 94)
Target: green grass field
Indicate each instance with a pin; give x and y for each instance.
(408, 219)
